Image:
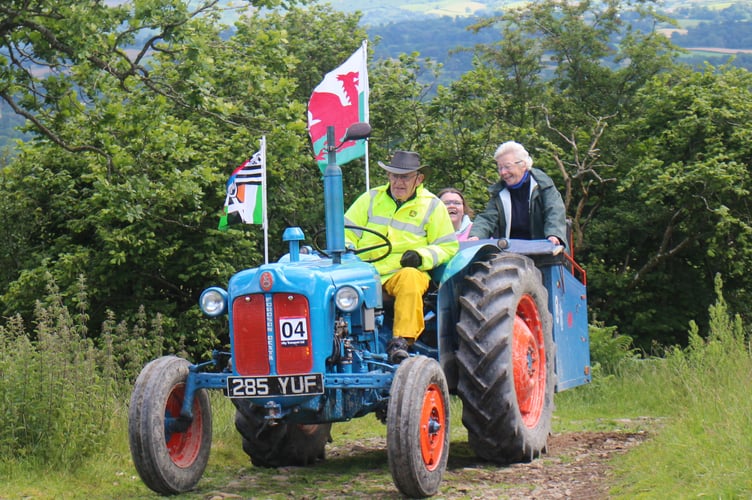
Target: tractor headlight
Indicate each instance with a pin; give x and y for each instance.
(213, 301)
(347, 298)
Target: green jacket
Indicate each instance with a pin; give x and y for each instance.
(547, 212)
(421, 223)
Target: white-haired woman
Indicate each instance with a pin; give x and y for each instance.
(524, 203)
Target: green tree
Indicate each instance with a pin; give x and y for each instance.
(400, 95)
(316, 41)
(594, 93)
(562, 74)
(140, 112)
(124, 181)
(681, 212)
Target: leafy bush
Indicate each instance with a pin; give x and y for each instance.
(609, 349)
(705, 448)
(58, 390)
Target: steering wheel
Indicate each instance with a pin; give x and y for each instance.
(384, 243)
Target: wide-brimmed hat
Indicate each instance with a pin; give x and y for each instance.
(403, 162)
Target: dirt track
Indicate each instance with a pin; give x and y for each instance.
(576, 466)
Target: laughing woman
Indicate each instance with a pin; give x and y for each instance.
(459, 212)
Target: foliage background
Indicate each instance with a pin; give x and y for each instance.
(135, 115)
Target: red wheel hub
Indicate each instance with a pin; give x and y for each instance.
(433, 427)
(529, 361)
(183, 447)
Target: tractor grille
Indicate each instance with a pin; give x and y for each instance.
(291, 341)
(293, 327)
(250, 351)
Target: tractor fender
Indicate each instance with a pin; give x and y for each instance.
(470, 251)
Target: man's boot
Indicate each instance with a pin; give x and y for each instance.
(396, 349)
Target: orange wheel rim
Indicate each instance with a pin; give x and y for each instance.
(529, 361)
(432, 427)
(183, 447)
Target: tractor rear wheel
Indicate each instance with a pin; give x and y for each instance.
(417, 434)
(506, 359)
(170, 455)
(279, 444)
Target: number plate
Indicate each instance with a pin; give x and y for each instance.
(275, 385)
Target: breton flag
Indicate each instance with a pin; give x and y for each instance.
(246, 192)
(341, 99)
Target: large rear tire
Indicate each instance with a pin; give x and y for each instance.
(169, 458)
(417, 434)
(506, 359)
(279, 444)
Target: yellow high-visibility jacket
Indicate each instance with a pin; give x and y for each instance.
(421, 223)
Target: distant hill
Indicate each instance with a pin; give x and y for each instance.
(712, 31)
(9, 123)
(715, 31)
(439, 39)
(386, 11)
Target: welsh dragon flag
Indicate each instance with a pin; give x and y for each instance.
(341, 99)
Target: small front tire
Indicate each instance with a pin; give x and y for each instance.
(418, 427)
(170, 459)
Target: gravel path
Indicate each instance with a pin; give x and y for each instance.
(576, 466)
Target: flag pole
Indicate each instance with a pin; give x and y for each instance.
(265, 222)
(368, 181)
(366, 113)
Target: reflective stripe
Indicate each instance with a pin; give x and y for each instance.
(357, 232)
(444, 239)
(434, 256)
(378, 219)
(372, 194)
(408, 228)
(371, 217)
(396, 224)
(431, 207)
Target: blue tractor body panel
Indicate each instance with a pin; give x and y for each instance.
(567, 301)
(289, 334)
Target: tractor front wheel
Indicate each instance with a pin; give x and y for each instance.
(170, 453)
(506, 359)
(417, 433)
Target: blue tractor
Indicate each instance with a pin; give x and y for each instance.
(506, 328)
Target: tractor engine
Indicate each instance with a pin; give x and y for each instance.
(301, 331)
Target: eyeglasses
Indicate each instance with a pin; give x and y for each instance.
(510, 166)
(457, 203)
(401, 177)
